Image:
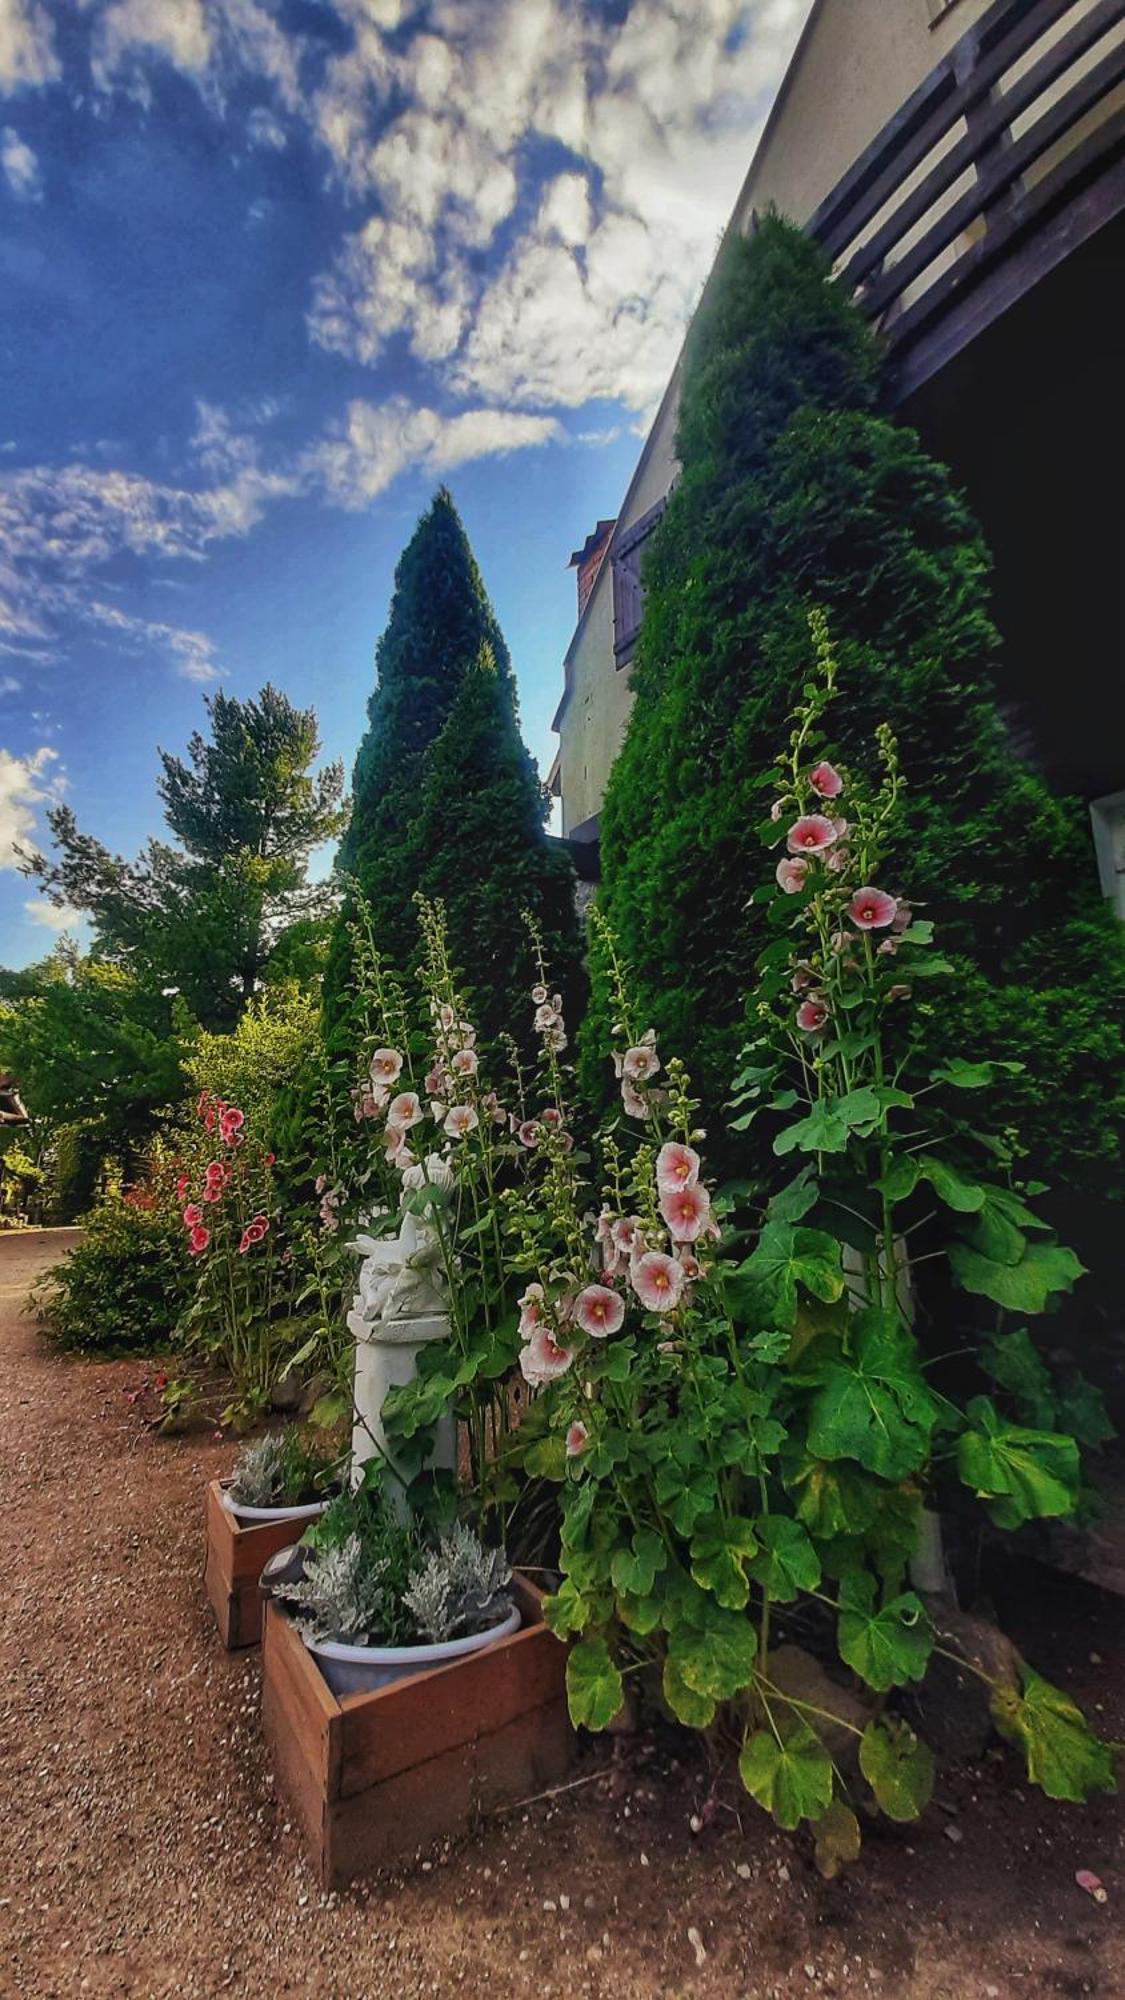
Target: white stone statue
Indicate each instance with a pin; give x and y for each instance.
(401, 1304)
(401, 1277)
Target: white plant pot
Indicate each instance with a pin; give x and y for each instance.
(360, 1669)
(252, 1515)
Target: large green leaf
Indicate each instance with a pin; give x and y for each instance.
(899, 1768)
(874, 1406)
(950, 1186)
(1015, 1364)
(1025, 1475)
(834, 1497)
(635, 1569)
(972, 1075)
(764, 1288)
(1082, 1409)
(694, 1710)
(1063, 1754)
(790, 1777)
(825, 1130)
(594, 1688)
(787, 1562)
(719, 1553)
(886, 1646)
(1026, 1287)
(715, 1653)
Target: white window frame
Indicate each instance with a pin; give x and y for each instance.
(1107, 816)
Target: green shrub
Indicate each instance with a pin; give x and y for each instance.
(124, 1286)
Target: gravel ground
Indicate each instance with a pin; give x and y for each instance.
(142, 1851)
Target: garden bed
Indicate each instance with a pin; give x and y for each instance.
(237, 1553)
(372, 1777)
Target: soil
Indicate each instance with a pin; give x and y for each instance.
(143, 1852)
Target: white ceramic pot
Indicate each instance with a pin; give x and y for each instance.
(359, 1669)
(254, 1515)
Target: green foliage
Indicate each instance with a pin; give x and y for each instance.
(899, 1768)
(261, 1059)
(124, 1286)
(1062, 1752)
(789, 1774)
(795, 491)
(446, 800)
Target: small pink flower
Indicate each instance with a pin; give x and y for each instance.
(492, 1105)
(465, 1063)
(811, 834)
(199, 1240)
(247, 1241)
(676, 1167)
(791, 873)
(551, 1117)
(688, 1262)
(386, 1066)
(231, 1121)
(812, 1016)
(626, 1235)
(657, 1280)
(826, 780)
(776, 810)
(531, 1310)
(577, 1438)
(529, 1133)
(640, 1063)
(435, 1082)
(215, 1171)
(632, 1099)
(460, 1120)
(687, 1211)
(542, 1359)
(872, 909)
(539, 995)
(404, 1111)
(904, 917)
(599, 1311)
(193, 1215)
(321, 1183)
(836, 861)
(545, 1016)
(213, 1191)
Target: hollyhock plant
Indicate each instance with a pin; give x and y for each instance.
(811, 834)
(826, 780)
(687, 1211)
(658, 1281)
(599, 1311)
(812, 1016)
(872, 909)
(677, 1166)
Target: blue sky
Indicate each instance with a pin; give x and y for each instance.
(271, 271)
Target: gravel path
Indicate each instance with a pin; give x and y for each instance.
(142, 1851)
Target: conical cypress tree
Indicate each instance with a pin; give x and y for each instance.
(797, 493)
(440, 618)
(479, 844)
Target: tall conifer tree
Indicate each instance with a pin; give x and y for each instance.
(796, 492)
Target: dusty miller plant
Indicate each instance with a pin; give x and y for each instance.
(461, 1587)
(342, 1595)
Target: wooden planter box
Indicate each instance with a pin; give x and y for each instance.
(372, 1777)
(237, 1553)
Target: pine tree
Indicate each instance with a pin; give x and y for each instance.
(445, 796)
(797, 493)
(479, 844)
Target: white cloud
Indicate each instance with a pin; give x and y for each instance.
(27, 45)
(52, 916)
(19, 166)
(26, 783)
(210, 41)
(193, 652)
(9, 685)
(379, 441)
(263, 129)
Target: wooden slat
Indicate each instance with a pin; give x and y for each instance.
(992, 120)
(311, 1710)
(1003, 170)
(990, 47)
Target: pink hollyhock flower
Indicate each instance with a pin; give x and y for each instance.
(434, 1082)
(465, 1063)
(199, 1240)
(811, 834)
(776, 810)
(577, 1438)
(677, 1166)
(688, 1262)
(539, 996)
(193, 1216)
(836, 860)
(552, 1117)
(232, 1120)
(321, 1183)
(872, 909)
(812, 1016)
(904, 917)
(626, 1234)
(404, 1111)
(215, 1171)
(248, 1240)
(841, 826)
(529, 1133)
(438, 1109)
(182, 1185)
(260, 1221)
(898, 992)
(203, 1103)
(492, 1105)
(687, 1211)
(632, 1100)
(640, 1063)
(213, 1191)
(386, 1066)
(599, 1311)
(460, 1120)
(657, 1280)
(531, 1310)
(543, 1358)
(825, 779)
(802, 979)
(466, 1034)
(545, 1016)
(888, 948)
(791, 873)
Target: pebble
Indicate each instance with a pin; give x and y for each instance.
(697, 1945)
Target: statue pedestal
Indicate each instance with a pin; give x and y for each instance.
(386, 1357)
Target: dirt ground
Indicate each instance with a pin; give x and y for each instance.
(142, 1850)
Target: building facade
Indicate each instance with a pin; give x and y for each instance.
(963, 162)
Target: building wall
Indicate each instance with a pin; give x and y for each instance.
(856, 64)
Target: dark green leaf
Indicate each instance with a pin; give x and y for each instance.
(791, 1778)
(594, 1688)
(787, 1563)
(1063, 1754)
(899, 1768)
(874, 1406)
(885, 1646)
(1026, 1475)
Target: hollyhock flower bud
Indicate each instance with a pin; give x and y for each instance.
(676, 1167)
(599, 1311)
(898, 992)
(872, 909)
(247, 1240)
(460, 1120)
(811, 834)
(812, 1016)
(776, 810)
(687, 1211)
(904, 917)
(492, 1105)
(657, 1280)
(199, 1240)
(543, 1358)
(321, 1183)
(577, 1438)
(791, 873)
(688, 1262)
(826, 780)
(386, 1066)
(404, 1111)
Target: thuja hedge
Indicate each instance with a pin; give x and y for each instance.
(797, 491)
